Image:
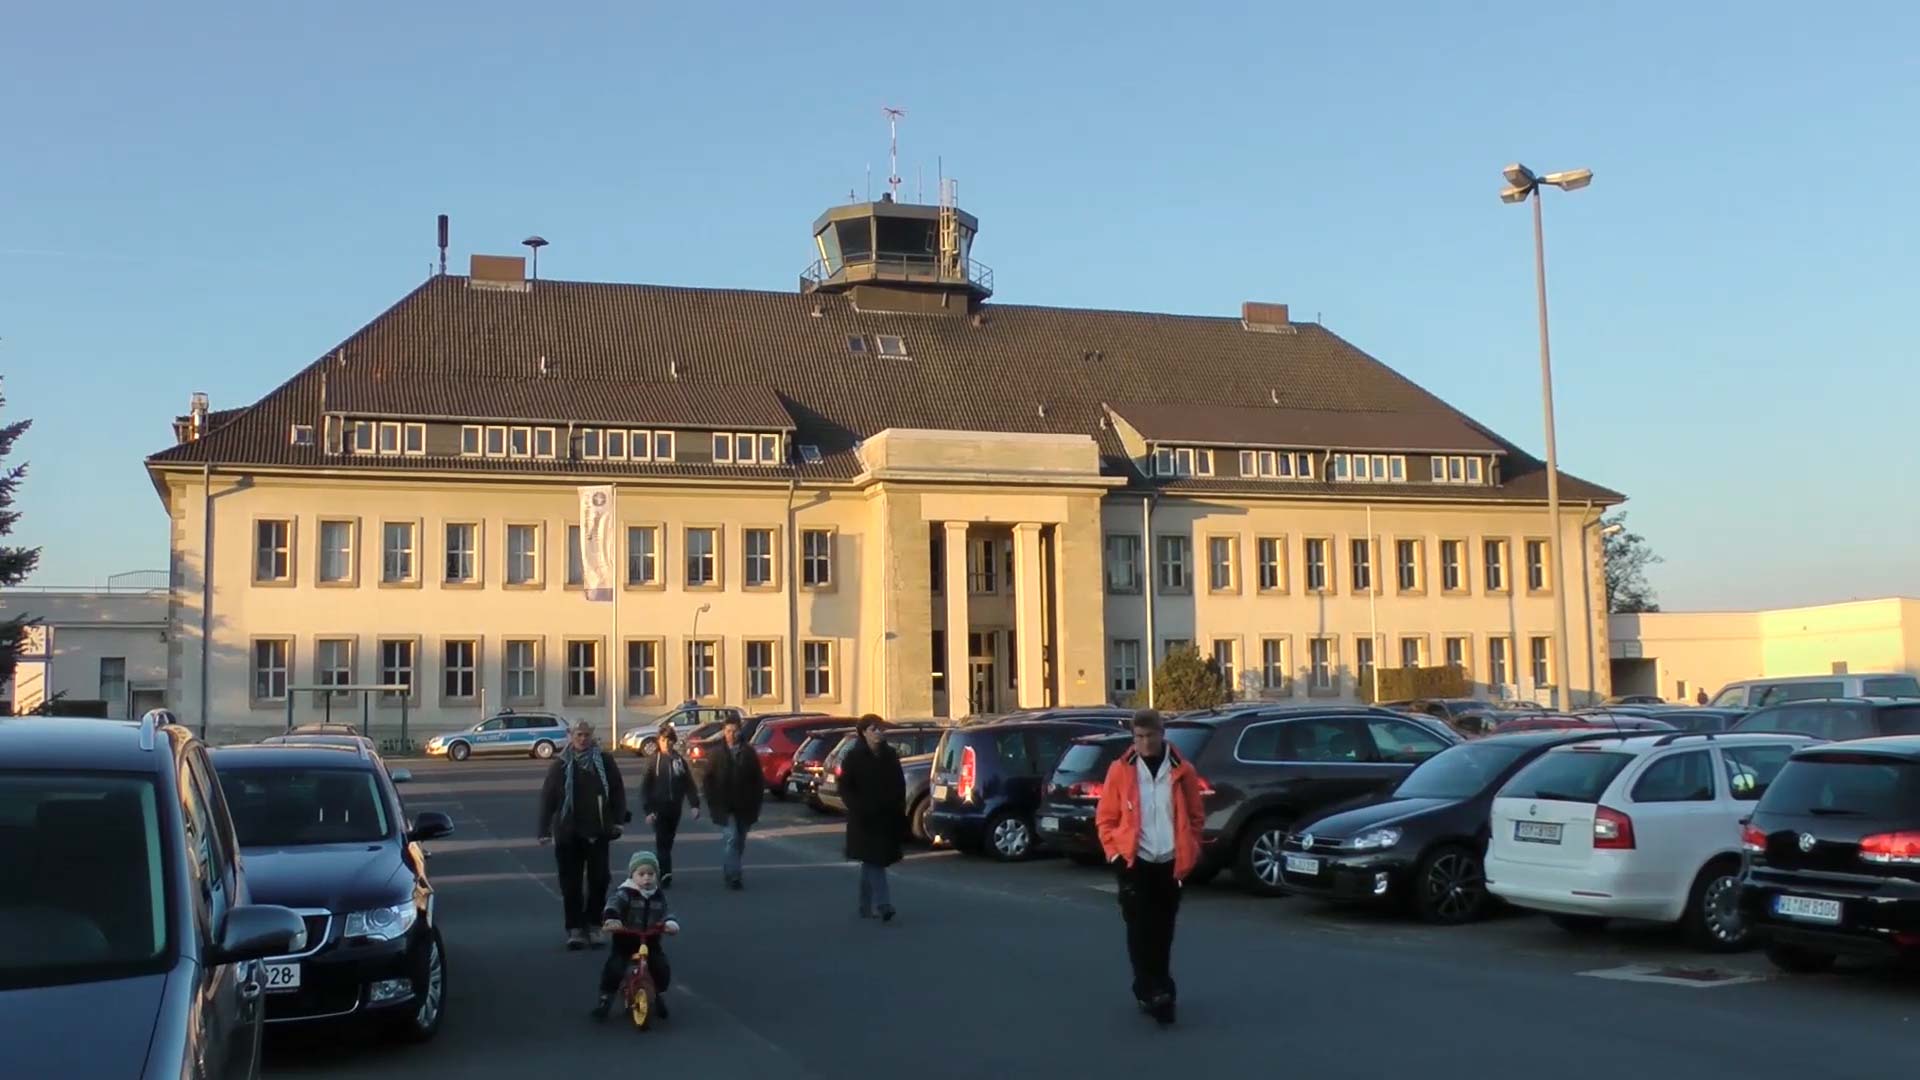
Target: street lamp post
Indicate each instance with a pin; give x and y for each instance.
(1522, 184)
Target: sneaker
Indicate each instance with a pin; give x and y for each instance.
(1163, 1009)
(666, 881)
(593, 938)
(576, 939)
(736, 884)
(886, 913)
(603, 1007)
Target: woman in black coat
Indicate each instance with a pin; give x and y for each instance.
(875, 791)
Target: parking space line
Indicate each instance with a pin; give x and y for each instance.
(1673, 975)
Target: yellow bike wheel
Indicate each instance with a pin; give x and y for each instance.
(642, 1009)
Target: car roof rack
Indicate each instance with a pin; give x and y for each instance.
(1673, 737)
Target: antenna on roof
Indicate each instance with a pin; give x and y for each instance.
(443, 245)
(535, 243)
(894, 114)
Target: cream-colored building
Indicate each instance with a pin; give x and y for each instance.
(878, 493)
(1677, 654)
(93, 651)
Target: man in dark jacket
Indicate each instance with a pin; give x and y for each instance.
(582, 806)
(735, 788)
(665, 785)
(875, 791)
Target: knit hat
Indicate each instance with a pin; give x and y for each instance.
(643, 858)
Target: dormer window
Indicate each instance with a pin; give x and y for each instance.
(1179, 461)
(1459, 469)
(856, 345)
(1370, 468)
(892, 345)
(301, 435)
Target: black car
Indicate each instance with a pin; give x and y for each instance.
(1464, 716)
(1272, 766)
(129, 940)
(1692, 719)
(918, 772)
(323, 832)
(1065, 821)
(1421, 846)
(1838, 719)
(1833, 855)
(987, 776)
(809, 761)
(907, 740)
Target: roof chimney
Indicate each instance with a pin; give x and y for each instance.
(443, 245)
(498, 273)
(1265, 318)
(197, 411)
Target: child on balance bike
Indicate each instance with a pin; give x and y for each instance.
(636, 904)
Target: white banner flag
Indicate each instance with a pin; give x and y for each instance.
(596, 542)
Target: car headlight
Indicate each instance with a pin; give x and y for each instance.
(381, 924)
(436, 742)
(1376, 839)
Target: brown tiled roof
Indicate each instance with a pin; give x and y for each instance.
(447, 350)
(1308, 429)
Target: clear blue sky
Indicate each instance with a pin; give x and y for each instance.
(200, 200)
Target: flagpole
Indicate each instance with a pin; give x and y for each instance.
(613, 631)
(1373, 591)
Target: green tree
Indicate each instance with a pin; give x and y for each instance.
(1627, 555)
(15, 562)
(1185, 681)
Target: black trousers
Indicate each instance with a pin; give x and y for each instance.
(666, 826)
(621, 954)
(584, 879)
(1149, 901)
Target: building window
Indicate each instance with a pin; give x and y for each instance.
(273, 551)
(614, 442)
(770, 450)
(520, 442)
(1362, 558)
(363, 436)
(816, 558)
(939, 661)
(520, 666)
(576, 559)
(397, 552)
(980, 567)
(496, 441)
(544, 440)
(1452, 578)
(663, 446)
(1175, 555)
(1497, 673)
(643, 670)
(1456, 469)
(470, 440)
(1226, 655)
(583, 670)
(722, 448)
(459, 667)
(1271, 552)
(1275, 674)
(891, 345)
(1174, 645)
(1163, 461)
(1496, 575)
(463, 553)
(757, 556)
(1406, 555)
(1458, 655)
(760, 669)
(1370, 468)
(592, 446)
(1541, 648)
(333, 662)
(1411, 649)
(1221, 576)
(523, 554)
(1317, 578)
(414, 439)
(702, 558)
(640, 446)
(270, 660)
(1536, 565)
(1363, 661)
(818, 658)
(389, 437)
(1123, 563)
(643, 555)
(1126, 669)
(743, 452)
(703, 669)
(1183, 462)
(1320, 653)
(396, 668)
(336, 552)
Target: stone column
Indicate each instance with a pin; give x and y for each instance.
(959, 673)
(1029, 615)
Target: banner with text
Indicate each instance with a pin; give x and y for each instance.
(596, 542)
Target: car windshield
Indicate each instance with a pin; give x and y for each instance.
(84, 895)
(1459, 772)
(292, 807)
(1891, 686)
(1189, 739)
(1567, 776)
(1847, 785)
(1837, 721)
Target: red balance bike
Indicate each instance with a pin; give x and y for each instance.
(637, 993)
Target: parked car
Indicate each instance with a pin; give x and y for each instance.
(1839, 718)
(1754, 693)
(777, 738)
(1635, 699)
(1423, 845)
(1608, 721)
(688, 718)
(1641, 827)
(132, 939)
(323, 832)
(987, 777)
(918, 771)
(1465, 716)
(1689, 718)
(526, 734)
(1065, 820)
(348, 741)
(1833, 855)
(809, 762)
(907, 740)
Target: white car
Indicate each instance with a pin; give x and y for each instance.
(1638, 827)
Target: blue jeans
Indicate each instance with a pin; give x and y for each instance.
(873, 888)
(734, 843)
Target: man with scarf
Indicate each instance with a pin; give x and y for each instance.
(582, 806)
(735, 787)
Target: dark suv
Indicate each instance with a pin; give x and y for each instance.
(1072, 793)
(323, 832)
(1838, 719)
(1272, 766)
(987, 775)
(1833, 855)
(907, 740)
(129, 943)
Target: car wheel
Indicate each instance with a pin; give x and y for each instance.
(1261, 856)
(1009, 837)
(1713, 921)
(1579, 924)
(1795, 960)
(424, 1022)
(917, 820)
(459, 751)
(1450, 887)
(543, 749)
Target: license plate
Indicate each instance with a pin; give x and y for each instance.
(1807, 908)
(280, 977)
(939, 792)
(1049, 824)
(1301, 864)
(1537, 832)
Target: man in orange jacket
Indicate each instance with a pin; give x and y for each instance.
(1150, 818)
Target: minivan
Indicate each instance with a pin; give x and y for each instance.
(1754, 693)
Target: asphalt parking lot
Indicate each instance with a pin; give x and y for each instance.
(1021, 970)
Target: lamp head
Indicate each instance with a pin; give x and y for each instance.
(1518, 175)
(1571, 180)
(1516, 194)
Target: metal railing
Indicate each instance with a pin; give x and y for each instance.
(929, 268)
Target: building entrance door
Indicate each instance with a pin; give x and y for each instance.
(985, 701)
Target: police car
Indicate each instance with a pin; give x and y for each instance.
(527, 734)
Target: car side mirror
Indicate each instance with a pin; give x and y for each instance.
(431, 825)
(400, 776)
(256, 931)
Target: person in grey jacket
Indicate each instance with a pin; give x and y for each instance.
(666, 786)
